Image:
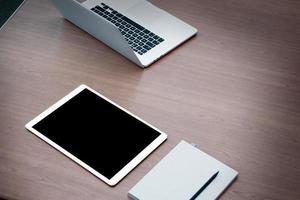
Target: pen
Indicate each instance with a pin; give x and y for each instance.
(204, 186)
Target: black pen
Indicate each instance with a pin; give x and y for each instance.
(204, 186)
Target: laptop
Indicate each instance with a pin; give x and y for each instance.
(136, 29)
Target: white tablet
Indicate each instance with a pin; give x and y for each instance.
(96, 133)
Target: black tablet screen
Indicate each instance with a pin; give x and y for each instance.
(97, 132)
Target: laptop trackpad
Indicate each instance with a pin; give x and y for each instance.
(145, 13)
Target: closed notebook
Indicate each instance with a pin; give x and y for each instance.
(181, 173)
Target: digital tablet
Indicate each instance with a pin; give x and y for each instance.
(101, 136)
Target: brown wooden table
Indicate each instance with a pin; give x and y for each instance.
(234, 89)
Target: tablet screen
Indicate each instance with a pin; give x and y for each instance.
(97, 132)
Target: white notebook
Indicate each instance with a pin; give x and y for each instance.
(181, 173)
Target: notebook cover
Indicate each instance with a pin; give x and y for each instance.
(181, 173)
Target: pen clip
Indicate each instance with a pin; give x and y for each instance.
(194, 145)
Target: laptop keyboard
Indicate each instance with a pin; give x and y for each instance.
(138, 37)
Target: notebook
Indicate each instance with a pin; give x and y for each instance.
(181, 173)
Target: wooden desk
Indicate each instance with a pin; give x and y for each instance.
(234, 89)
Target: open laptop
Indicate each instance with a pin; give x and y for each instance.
(135, 28)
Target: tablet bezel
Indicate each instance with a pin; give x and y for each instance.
(127, 168)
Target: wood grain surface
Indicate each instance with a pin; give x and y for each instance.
(234, 89)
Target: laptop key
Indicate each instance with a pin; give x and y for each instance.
(100, 9)
(146, 47)
(155, 42)
(119, 15)
(160, 40)
(150, 44)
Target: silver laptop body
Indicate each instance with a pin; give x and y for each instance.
(135, 28)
